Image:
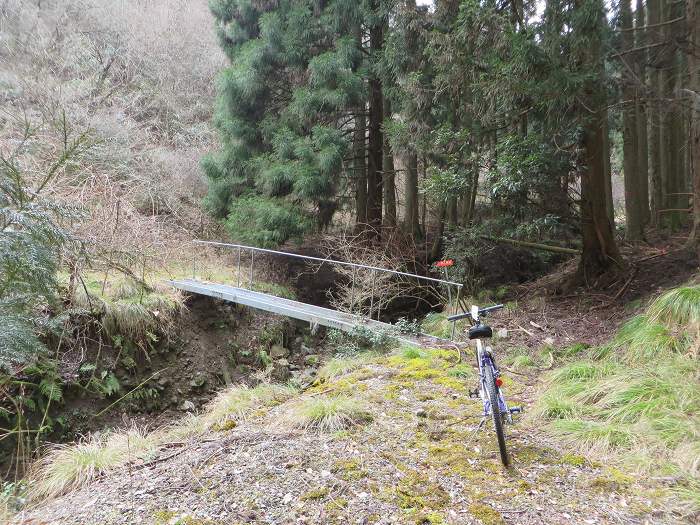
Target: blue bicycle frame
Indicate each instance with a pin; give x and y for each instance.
(485, 359)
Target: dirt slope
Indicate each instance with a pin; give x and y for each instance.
(417, 461)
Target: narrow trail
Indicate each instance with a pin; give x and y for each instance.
(417, 461)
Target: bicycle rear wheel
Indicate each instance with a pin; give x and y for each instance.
(492, 392)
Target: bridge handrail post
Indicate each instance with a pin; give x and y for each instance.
(252, 255)
(371, 303)
(238, 273)
(352, 290)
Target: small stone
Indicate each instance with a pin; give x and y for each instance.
(278, 351)
(549, 341)
(311, 360)
(502, 333)
(287, 499)
(280, 369)
(187, 406)
(421, 413)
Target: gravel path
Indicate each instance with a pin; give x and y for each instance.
(418, 461)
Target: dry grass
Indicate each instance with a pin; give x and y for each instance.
(66, 467)
(138, 77)
(326, 413)
(240, 402)
(339, 366)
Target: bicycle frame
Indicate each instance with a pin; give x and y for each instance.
(485, 359)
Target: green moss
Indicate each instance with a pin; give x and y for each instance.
(229, 424)
(167, 517)
(315, 494)
(573, 460)
(486, 514)
(416, 491)
(428, 518)
(349, 470)
(613, 480)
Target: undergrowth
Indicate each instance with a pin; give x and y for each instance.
(636, 400)
(67, 467)
(128, 308)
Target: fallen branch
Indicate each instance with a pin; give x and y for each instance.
(533, 245)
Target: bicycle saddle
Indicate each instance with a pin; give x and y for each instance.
(480, 331)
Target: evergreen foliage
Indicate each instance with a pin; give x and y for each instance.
(282, 115)
(30, 245)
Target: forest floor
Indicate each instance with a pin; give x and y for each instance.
(409, 452)
(415, 459)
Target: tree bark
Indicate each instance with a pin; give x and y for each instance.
(693, 91)
(633, 213)
(376, 137)
(609, 202)
(360, 151)
(411, 220)
(654, 36)
(641, 114)
(600, 251)
(360, 169)
(389, 177)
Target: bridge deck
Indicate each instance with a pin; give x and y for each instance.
(295, 309)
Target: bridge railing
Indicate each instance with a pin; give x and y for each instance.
(248, 274)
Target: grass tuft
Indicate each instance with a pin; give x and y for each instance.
(68, 467)
(339, 366)
(239, 402)
(636, 401)
(327, 413)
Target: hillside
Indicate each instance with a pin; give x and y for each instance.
(391, 437)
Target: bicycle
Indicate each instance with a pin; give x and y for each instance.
(490, 381)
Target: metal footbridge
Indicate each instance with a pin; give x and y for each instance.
(365, 303)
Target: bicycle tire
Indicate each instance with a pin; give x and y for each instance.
(492, 392)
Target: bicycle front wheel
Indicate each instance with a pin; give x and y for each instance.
(492, 392)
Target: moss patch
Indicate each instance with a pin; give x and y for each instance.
(486, 514)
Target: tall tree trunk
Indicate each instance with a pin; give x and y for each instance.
(692, 16)
(633, 213)
(376, 138)
(389, 177)
(641, 113)
(437, 241)
(600, 251)
(360, 151)
(411, 220)
(609, 202)
(360, 169)
(654, 37)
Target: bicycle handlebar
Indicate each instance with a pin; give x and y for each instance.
(482, 311)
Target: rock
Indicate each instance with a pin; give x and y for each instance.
(421, 413)
(278, 351)
(187, 406)
(198, 381)
(502, 333)
(549, 341)
(305, 350)
(280, 369)
(311, 360)
(243, 370)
